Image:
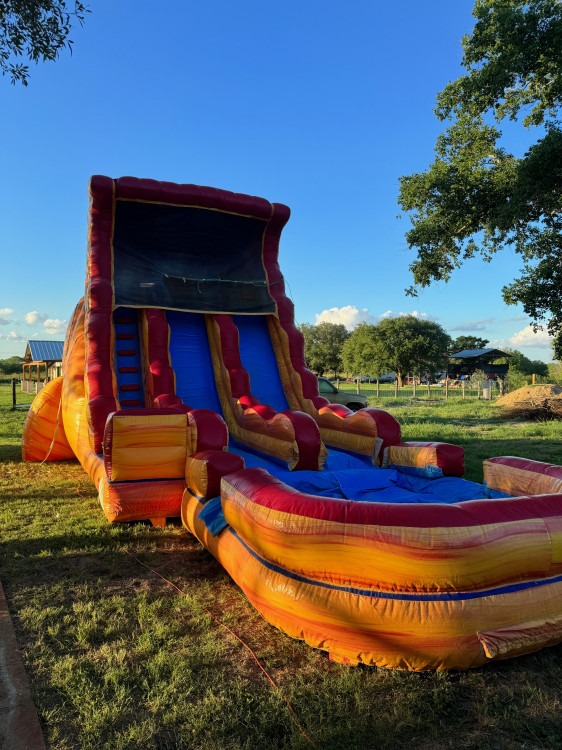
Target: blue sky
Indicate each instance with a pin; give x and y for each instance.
(314, 104)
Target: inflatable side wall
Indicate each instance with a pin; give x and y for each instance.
(409, 587)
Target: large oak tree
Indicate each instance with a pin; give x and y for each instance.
(323, 344)
(400, 345)
(476, 197)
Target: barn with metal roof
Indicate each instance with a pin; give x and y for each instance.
(42, 362)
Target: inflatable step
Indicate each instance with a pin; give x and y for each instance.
(124, 320)
(128, 363)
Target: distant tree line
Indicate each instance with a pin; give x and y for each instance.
(11, 366)
(400, 345)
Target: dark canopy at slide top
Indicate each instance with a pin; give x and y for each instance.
(189, 258)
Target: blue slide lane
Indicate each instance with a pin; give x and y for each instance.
(191, 360)
(258, 359)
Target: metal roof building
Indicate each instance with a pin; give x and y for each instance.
(482, 354)
(477, 359)
(41, 356)
(44, 351)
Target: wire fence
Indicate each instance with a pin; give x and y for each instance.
(392, 391)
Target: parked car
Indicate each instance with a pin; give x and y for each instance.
(353, 401)
(388, 377)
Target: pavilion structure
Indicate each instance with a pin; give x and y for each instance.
(42, 362)
(470, 360)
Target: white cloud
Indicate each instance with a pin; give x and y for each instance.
(413, 313)
(50, 325)
(34, 317)
(527, 337)
(5, 311)
(54, 325)
(351, 316)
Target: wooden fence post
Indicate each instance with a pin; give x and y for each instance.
(446, 389)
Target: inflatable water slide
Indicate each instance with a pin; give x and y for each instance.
(185, 393)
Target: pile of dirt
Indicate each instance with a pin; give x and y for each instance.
(534, 401)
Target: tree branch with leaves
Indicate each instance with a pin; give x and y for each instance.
(477, 198)
(36, 30)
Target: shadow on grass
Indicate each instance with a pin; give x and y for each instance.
(85, 558)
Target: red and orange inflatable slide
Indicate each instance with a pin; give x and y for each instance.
(185, 393)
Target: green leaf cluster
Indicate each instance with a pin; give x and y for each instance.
(476, 197)
(323, 346)
(10, 366)
(37, 30)
(518, 362)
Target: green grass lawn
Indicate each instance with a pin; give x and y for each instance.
(118, 659)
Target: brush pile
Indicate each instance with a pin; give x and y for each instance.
(534, 402)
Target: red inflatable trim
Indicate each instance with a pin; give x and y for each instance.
(539, 467)
(163, 386)
(98, 307)
(263, 489)
(211, 429)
